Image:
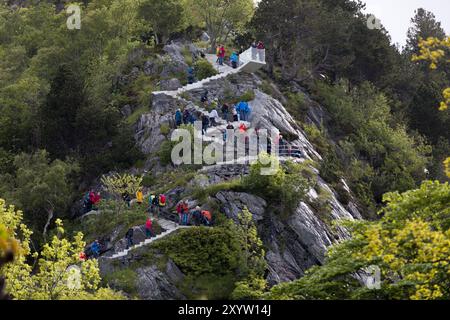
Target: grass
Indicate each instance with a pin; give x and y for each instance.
(135, 116)
(187, 56)
(124, 280)
(202, 194)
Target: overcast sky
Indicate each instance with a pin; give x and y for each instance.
(395, 15)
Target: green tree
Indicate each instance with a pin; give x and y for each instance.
(164, 16)
(59, 272)
(119, 184)
(42, 187)
(221, 17)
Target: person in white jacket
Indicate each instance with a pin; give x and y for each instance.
(213, 115)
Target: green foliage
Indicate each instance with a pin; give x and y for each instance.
(123, 280)
(220, 17)
(296, 105)
(165, 152)
(204, 69)
(317, 137)
(410, 244)
(119, 184)
(247, 96)
(203, 193)
(58, 272)
(164, 129)
(43, 188)
(381, 156)
(204, 250)
(163, 16)
(286, 186)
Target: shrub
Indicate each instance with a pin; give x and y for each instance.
(247, 96)
(204, 250)
(204, 69)
(285, 187)
(164, 128)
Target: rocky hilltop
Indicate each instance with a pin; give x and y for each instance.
(293, 242)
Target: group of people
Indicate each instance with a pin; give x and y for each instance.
(258, 50)
(196, 216)
(148, 233)
(91, 201)
(185, 117)
(234, 56)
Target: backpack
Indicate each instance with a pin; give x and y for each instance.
(162, 200)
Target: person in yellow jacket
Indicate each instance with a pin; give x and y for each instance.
(139, 197)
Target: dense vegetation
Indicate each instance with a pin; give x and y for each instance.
(69, 100)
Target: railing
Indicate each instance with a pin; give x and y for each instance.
(253, 55)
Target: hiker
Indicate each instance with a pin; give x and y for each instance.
(178, 118)
(261, 51)
(234, 58)
(244, 111)
(192, 118)
(242, 128)
(82, 256)
(95, 248)
(148, 228)
(185, 213)
(254, 50)
(234, 113)
(212, 117)
(230, 126)
(191, 75)
(91, 197)
(205, 123)
(139, 197)
(206, 217)
(225, 108)
(204, 98)
(197, 215)
(162, 200)
(150, 202)
(155, 204)
(186, 115)
(179, 209)
(221, 54)
(87, 204)
(127, 198)
(96, 200)
(129, 236)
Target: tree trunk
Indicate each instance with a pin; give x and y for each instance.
(49, 219)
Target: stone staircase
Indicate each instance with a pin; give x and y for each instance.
(248, 63)
(167, 225)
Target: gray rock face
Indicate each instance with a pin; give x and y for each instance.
(154, 284)
(148, 130)
(152, 67)
(294, 244)
(234, 202)
(171, 84)
(270, 114)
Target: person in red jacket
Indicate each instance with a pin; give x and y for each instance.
(206, 217)
(221, 54)
(148, 228)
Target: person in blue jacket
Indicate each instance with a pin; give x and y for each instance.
(234, 58)
(244, 110)
(178, 118)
